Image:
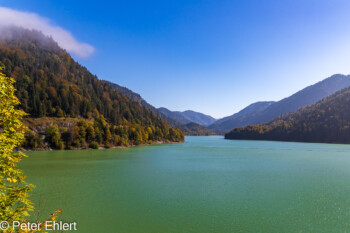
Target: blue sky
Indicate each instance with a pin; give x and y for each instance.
(211, 56)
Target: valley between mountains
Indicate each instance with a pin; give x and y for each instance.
(71, 108)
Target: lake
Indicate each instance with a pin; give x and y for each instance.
(206, 184)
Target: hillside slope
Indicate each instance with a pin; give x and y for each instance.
(193, 129)
(186, 125)
(50, 83)
(197, 117)
(242, 118)
(189, 129)
(325, 121)
(306, 96)
(174, 115)
(138, 99)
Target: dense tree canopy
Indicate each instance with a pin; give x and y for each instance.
(14, 191)
(50, 83)
(325, 121)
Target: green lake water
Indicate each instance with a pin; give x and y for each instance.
(206, 184)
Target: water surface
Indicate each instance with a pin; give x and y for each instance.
(206, 184)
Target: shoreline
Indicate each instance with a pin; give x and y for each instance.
(100, 147)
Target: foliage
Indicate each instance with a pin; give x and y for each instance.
(94, 145)
(173, 119)
(14, 191)
(325, 121)
(194, 129)
(262, 112)
(51, 84)
(32, 140)
(47, 224)
(14, 203)
(175, 116)
(249, 115)
(53, 136)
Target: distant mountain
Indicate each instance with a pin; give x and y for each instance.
(127, 92)
(308, 95)
(194, 129)
(53, 88)
(325, 121)
(197, 117)
(174, 115)
(138, 99)
(189, 128)
(241, 118)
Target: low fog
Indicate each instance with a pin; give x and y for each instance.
(31, 21)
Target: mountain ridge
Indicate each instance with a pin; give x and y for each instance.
(187, 127)
(197, 117)
(239, 118)
(326, 121)
(304, 97)
(51, 84)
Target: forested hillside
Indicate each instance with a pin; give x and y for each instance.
(174, 115)
(51, 84)
(197, 117)
(241, 118)
(185, 124)
(326, 121)
(306, 96)
(189, 128)
(196, 130)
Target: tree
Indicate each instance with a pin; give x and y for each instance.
(14, 191)
(53, 136)
(52, 85)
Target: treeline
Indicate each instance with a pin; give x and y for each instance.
(326, 121)
(194, 129)
(50, 83)
(95, 132)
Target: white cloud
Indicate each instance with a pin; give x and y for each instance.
(64, 38)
